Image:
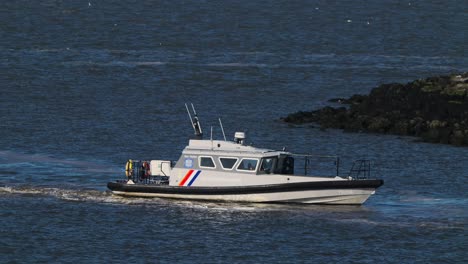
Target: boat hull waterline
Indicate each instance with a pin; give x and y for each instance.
(351, 192)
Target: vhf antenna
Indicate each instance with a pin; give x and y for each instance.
(222, 129)
(195, 122)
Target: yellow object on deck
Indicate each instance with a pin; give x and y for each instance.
(129, 168)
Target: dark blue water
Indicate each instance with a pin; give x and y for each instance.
(85, 85)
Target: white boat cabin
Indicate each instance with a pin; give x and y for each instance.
(231, 163)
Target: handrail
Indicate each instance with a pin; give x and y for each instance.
(361, 169)
(308, 163)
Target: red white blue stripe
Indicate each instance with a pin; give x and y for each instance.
(189, 178)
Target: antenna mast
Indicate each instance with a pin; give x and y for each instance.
(222, 128)
(195, 122)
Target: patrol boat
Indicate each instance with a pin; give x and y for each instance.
(222, 170)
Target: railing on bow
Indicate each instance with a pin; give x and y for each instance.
(361, 169)
(316, 165)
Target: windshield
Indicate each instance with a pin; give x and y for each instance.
(268, 165)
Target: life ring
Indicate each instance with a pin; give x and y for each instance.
(146, 168)
(129, 168)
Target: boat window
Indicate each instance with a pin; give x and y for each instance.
(268, 164)
(285, 165)
(228, 163)
(248, 165)
(207, 162)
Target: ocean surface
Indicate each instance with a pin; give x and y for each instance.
(86, 85)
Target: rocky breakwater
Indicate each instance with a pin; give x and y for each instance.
(434, 109)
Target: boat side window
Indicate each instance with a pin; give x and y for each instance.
(228, 163)
(285, 165)
(248, 165)
(268, 164)
(207, 162)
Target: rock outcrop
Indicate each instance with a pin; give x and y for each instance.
(434, 109)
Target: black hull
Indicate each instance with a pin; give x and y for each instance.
(238, 190)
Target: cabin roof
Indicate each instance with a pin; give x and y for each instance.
(220, 147)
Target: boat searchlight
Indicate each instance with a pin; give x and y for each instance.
(239, 137)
